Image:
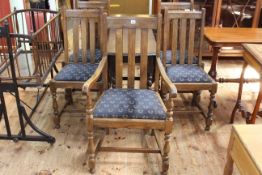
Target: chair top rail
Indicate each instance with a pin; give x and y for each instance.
(185, 14)
(176, 5)
(136, 21)
(81, 13)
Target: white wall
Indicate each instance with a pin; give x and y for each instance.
(19, 4)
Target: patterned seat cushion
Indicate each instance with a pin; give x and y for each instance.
(187, 73)
(169, 57)
(76, 72)
(129, 103)
(98, 56)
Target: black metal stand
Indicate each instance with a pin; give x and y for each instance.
(24, 119)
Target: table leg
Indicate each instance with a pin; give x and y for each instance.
(252, 120)
(213, 69)
(240, 89)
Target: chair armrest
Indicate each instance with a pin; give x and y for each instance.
(171, 87)
(92, 80)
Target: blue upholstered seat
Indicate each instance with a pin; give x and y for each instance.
(169, 57)
(98, 56)
(76, 72)
(187, 73)
(131, 104)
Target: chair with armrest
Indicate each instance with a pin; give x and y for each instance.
(186, 68)
(81, 54)
(131, 103)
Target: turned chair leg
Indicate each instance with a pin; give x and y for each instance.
(56, 118)
(165, 158)
(209, 118)
(68, 96)
(91, 146)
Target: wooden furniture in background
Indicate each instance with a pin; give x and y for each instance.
(81, 57)
(219, 37)
(253, 57)
(78, 4)
(244, 150)
(135, 105)
(184, 59)
(216, 18)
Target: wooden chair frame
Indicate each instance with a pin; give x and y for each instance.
(88, 19)
(174, 5)
(172, 17)
(131, 23)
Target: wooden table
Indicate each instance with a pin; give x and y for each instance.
(244, 150)
(253, 57)
(151, 43)
(220, 37)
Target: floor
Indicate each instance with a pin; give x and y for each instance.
(193, 150)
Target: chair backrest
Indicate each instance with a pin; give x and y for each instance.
(80, 34)
(187, 35)
(176, 5)
(133, 24)
(94, 4)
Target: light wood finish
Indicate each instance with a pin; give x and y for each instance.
(68, 156)
(183, 41)
(131, 24)
(252, 57)
(111, 42)
(219, 37)
(84, 24)
(232, 36)
(244, 150)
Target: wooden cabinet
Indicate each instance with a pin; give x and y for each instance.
(129, 7)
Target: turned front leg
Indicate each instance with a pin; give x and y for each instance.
(90, 135)
(168, 130)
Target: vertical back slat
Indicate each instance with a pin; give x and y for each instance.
(191, 39)
(166, 39)
(65, 36)
(182, 36)
(83, 39)
(131, 57)
(143, 59)
(119, 57)
(75, 38)
(92, 40)
(174, 40)
(201, 36)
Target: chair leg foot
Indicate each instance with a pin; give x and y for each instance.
(209, 118)
(165, 158)
(56, 118)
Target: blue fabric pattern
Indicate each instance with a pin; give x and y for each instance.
(169, 57)
(129, 103)
(187, 73)
(76, 72)
(98, 56)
